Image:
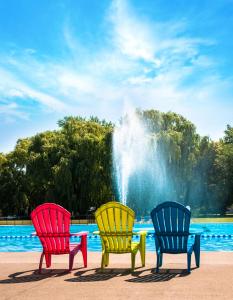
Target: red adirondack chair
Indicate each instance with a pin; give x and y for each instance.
(52, 224)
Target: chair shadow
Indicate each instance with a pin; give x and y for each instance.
(82, 275)
(33, 275)
(163, 275)
(99, 274)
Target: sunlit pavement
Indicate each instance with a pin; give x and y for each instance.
(19, 278)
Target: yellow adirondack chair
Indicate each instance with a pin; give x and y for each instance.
(115, 222)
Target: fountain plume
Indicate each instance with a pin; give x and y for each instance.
(138, 165)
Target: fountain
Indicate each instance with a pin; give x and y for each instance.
(139, 170)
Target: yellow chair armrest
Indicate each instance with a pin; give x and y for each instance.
(143, 232)
(96, 232)
(140, 233)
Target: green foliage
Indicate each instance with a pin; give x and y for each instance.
(224, 168)
(73, 166)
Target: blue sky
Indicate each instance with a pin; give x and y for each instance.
(91, 57)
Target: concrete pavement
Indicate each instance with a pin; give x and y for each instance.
(19, 278)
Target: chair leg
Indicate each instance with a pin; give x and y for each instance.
(133, 255)
(103, 260)
(161, 259)
(197, 250)
(71, 261)
(48, 260)
(197, 257)
(84, 254)
(142, 249)
(158, 262)
(84, 250)
(41, 261)
(143, 255)
(106, 261)
(189, 256)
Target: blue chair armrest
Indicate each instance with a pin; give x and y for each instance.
(197, 240)
(190, 248)
(157, 244)
(195, 232)
(158, 250)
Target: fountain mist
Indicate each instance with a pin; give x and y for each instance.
(138, 165)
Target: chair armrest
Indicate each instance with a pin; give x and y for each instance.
(143, 232)
(96, 232)
(158, 250)
(195, 232)
(81, 233)
(190, 249)
(143, 240)
(140, 233)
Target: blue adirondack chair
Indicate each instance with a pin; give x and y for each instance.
(171, 222)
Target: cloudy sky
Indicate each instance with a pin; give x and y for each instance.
(91, 57)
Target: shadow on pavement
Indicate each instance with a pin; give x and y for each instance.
(163, 275)
(98, 275)
(33, 275)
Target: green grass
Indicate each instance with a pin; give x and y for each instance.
(213, 220)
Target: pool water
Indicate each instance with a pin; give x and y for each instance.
(215, 237)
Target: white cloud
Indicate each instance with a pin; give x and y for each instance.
(131, 37)
(11, 111)
(12, 86)
(155, 42)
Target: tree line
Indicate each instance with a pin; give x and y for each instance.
(72, 166)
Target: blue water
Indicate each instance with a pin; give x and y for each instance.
(18, 239)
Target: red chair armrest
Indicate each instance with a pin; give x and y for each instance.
(82, 233)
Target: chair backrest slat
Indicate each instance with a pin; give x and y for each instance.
(48, 229)
(54, 228)
(117, 216)
(52, 224)
(162, 228)
(115, 222)
(167, 218)
(180, 227)
(171, 221)
(174, 217)
(123, 222)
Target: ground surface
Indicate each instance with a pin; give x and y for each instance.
(19, 278)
